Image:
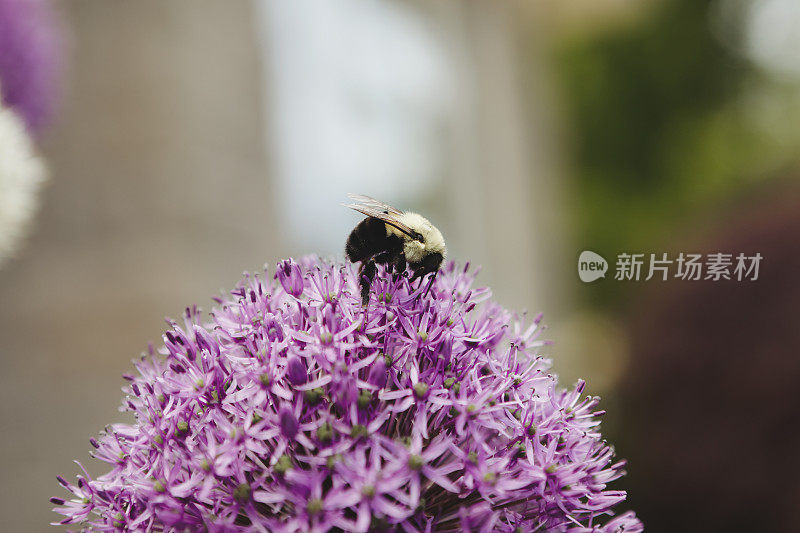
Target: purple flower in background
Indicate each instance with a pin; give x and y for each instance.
(298, 409)
(29, 59)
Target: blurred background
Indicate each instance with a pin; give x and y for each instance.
(152, 151)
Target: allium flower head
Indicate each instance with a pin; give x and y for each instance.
(298, 409)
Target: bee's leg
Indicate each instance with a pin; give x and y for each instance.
(419, 273)
(384, 258)
(398, 263)
(366, 275)
(430, 283)
(430, 264)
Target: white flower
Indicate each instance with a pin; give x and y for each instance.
(22, 173)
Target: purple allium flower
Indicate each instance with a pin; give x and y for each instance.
(29, 59)
(309, 412)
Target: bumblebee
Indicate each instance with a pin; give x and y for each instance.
(394, 238)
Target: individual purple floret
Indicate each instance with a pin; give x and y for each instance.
(298, 409)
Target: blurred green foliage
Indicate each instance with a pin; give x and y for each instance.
(657, 129)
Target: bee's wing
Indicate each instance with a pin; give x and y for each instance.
(373, 203)
(381, 214)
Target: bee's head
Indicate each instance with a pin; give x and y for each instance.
(425, 240)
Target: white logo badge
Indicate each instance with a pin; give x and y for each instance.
(591, 266)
